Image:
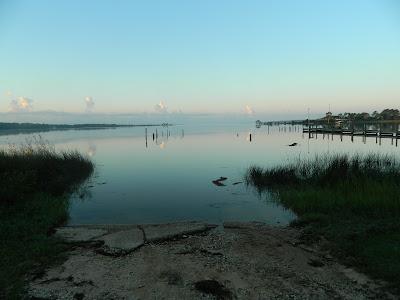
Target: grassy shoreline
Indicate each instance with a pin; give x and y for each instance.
(352, 201)
(35, 183)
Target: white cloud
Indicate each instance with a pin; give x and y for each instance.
(161, 107)
(21, 104)
(89, 104)
(249, 110)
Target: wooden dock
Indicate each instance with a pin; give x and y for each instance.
(372, 133)
(378, 134)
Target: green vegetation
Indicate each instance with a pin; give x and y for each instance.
(386, 115)
(35, 181)
(352, 201)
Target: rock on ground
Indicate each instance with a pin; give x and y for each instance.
(238, 261)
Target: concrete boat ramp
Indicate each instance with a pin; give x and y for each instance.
(193, 260)
(122, 239)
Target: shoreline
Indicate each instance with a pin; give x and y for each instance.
(26, 128)
(194, 260)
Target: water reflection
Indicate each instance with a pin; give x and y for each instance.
(162, 174)
(91, 151)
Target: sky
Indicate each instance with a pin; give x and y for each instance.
(250, 58)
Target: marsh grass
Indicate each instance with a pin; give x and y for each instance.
(325, 170)
(37, 167)
(354, 201)
(35, 181)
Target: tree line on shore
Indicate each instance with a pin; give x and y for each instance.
(384, 115)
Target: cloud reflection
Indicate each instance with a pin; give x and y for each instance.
(92, 149)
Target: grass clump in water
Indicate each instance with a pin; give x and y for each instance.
(352, 200)
(35, 182)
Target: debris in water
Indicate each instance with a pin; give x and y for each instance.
(237, 182)
(218, 182)
(292, 145)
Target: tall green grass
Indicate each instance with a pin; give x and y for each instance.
(35, 181)
(353, 200)
(37, 167)
(325, 170)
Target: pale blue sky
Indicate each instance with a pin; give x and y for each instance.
(201, 56)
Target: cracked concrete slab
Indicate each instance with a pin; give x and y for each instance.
(79, 234)
(162, 232)
(123, 241)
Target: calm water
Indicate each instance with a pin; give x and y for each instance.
(170, 178)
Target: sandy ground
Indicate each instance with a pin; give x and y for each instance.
(234, 261)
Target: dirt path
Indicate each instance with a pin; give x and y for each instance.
(234, 261)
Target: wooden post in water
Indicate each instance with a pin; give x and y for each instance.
(397, 133)
(352, 132)
(250, 137)
(145, 130)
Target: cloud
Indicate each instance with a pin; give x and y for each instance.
(89, 104)
(249, 110)
(161, 107)
(21, 104)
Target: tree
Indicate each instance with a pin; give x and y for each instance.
(390, 114)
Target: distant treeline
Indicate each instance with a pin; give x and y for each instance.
(66, 126)
(24, 126)
(10, 128)
(384, 115)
